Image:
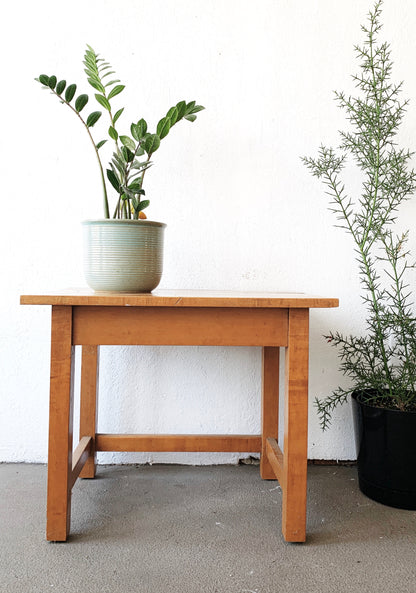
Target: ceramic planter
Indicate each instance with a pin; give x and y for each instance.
(123, 255)
(386, 445)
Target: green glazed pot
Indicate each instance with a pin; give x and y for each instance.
(123, 255)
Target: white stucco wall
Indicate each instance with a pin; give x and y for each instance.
(242, 211)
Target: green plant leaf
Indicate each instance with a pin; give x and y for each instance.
(112, 178)
(93, 118)
(142, 205)
(118, 163)
(151, 143)
(96, 84)
(90, 55)
(190, 106)
(190, 117)
(43, 79)
(135, 203)
(139, 165)
(80, 102)
(90, 59)
(163, 127)
(52, 82)
(101, 143)
(112, 132)
(126, 141)
(93, 75)
(197, 108)
(127, 154)
(116, 91)
(134, 132)
(117, 115)
(141, 128)
(172, 114)
(181, 107)
(60, 87)
(70, 92)
(90, 72)
(135, 186)
(103, 101)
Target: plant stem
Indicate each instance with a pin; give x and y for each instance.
(106, 207)
(147, 162)
(377, 166)
(403, 317)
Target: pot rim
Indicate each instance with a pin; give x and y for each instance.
(124, 221)
(357, 392)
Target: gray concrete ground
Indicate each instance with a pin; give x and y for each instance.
(181, 529)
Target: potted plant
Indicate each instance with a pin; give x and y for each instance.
(380, 363)
(123, 252)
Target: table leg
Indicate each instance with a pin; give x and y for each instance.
(88, 404)
(58, 514)
(295, 449)
(270, 406)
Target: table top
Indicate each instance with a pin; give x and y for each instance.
(180, 298)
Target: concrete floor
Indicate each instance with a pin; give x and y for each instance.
(181, 529)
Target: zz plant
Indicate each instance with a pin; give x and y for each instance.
(126, 171)
(381, 363)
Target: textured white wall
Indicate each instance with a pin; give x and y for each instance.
(242, 212)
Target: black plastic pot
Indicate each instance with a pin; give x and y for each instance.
(386, 445)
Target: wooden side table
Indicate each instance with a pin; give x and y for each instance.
(269, 320)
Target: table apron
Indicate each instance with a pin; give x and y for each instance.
(190, 326)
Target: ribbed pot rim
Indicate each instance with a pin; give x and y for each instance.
(125, 222)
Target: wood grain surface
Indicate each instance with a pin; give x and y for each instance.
(180, 298)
